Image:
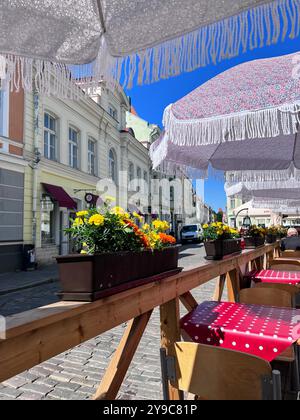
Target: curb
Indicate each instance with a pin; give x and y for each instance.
(28, 286)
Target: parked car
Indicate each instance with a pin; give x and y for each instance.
(192, 233)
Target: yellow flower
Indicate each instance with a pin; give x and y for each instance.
(78, 222)
(118, 211)
(82, 213)
(205, 226)
(83, 252)
(146, 226)
(220, 232)
(154, 239)
(214, 225)
(160, 225)
(96, 220)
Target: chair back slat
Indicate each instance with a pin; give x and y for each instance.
(266, 297)
(214, 373)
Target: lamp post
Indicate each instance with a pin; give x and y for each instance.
(236, 216)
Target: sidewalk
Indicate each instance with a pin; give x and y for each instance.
(13, 282)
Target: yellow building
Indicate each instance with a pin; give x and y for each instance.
(70, 147)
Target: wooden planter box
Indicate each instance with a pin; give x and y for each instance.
(271, 239)
(217, 250)
(251, 243)
(87, 278)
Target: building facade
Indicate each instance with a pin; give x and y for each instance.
(173, 196)
(57, 156)
(237, 210)
(12, 179)
(71, 146)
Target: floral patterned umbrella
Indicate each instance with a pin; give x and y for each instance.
(244, 119)
(145, 40)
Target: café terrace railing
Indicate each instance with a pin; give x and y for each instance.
(35, 336)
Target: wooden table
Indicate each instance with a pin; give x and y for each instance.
(35, 336)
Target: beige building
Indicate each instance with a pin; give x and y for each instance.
(237, 210)
(70, 147)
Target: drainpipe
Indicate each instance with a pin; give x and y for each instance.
(35, 167)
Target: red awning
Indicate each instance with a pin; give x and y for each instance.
(59, 194)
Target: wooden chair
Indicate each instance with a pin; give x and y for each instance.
(284, 264)
(292, 290)
(290, 254)
(267, 297)
(271, 296)
(213, 373)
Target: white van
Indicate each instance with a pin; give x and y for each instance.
(191, 233)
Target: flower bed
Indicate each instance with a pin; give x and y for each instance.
(220, 240)
(116, 249)
(254, 237)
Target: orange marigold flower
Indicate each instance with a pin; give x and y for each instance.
(167, 239)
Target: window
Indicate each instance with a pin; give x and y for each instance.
(139, 173)
(131, 171)
(50, 136)
(73, 147)
(113, 112)
(4, 110)
(47, 221)
(112, 165)
(92, 157)
(232, 203)
(146, 176)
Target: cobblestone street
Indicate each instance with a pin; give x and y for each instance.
(76, 374)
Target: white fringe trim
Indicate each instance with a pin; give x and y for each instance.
(267, 123)
(244, 189)
(264, 25)
(256, 178)
(274, 204)
(159, 151)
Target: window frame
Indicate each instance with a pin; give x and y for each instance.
(92, 154)
(72, 146)
(50, 132)
(113, 171)
(131, 171)
(113, 112)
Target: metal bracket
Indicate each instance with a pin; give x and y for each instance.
(267, 388)
(271, 387)
(168, 371)
(171, 368)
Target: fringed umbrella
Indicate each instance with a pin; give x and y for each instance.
(256, 161)
(265, 191)
(145, 40)
(246, 119)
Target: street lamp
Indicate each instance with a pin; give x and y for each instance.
(236, 216)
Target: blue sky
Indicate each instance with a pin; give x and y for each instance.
(151, 100)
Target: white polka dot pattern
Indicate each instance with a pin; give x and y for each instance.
(262, 331)
(274, 276)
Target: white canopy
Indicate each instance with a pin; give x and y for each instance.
(254, 160)
(144, 39)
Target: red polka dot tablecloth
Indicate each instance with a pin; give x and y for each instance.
(274, 276)
(262, 331)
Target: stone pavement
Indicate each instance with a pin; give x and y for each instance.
(11, 282)
(75, 374)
